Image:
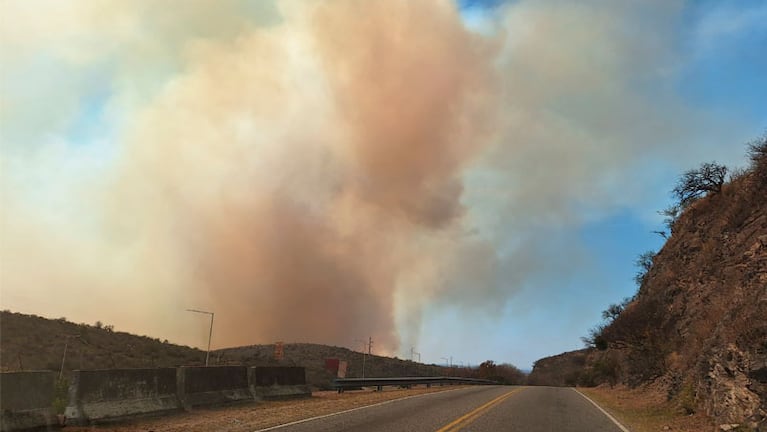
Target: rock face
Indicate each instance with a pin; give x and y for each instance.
(728, 387)
(698, 324)
(560, 370)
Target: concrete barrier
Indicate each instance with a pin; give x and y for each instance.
(97, 396)
(268, 382)
(26, 400)
(214, 385)
(112, 394)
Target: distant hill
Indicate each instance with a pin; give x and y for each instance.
(312, 357)
(698, 324)
(30, 342)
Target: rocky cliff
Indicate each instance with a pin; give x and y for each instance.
(698, 324)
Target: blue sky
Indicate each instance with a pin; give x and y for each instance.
(136, 141)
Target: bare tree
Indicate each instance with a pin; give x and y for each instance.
(670, 216)
(757, 149)
(644, 263)
(612, 312)
(695, 183)
(595, 338)
(757, 152)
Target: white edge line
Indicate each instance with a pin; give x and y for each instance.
(354, 409)
(617, 423)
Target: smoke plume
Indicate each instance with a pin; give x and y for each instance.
(311, 171)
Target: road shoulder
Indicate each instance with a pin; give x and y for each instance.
(645, 410)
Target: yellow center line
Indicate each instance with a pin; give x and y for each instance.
(468, 418)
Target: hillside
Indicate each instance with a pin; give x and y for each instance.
(698, 325)
(312, 357)
(29, 342)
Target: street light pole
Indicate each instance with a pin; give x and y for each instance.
(370, 347)
(61, 371)
(210, 333)
(64, 357)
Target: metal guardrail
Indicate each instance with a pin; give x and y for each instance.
(342, 384)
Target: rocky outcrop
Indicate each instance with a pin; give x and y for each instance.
(560, 370)
(729, 391)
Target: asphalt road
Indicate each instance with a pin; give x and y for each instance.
(479, 409)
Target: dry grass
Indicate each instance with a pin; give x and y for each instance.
(646, 410)
(256, 416)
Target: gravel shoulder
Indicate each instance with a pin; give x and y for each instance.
(259, 415)
(645, 409)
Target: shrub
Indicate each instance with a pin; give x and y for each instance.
(595, 338)
(644, 263)
(686, 399)
(670, 216)
(757, 150)
(60, 395)
(607, 369)
(588, 378)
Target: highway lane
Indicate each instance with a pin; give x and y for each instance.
(544, 409)
(480, 409)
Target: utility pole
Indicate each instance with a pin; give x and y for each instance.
(61, 371)
(64, 357)
(447, 365)
(365, 354)
(210, 333)
(413, 353)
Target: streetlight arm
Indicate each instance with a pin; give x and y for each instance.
(199, 311)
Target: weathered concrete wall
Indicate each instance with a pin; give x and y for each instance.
(112, 394)
(100, 395)
(278, 382)
(26, 400)
(212, 385)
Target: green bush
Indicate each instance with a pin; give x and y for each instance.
(60, 395)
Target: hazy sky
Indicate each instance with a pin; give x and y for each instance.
(473, 179)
